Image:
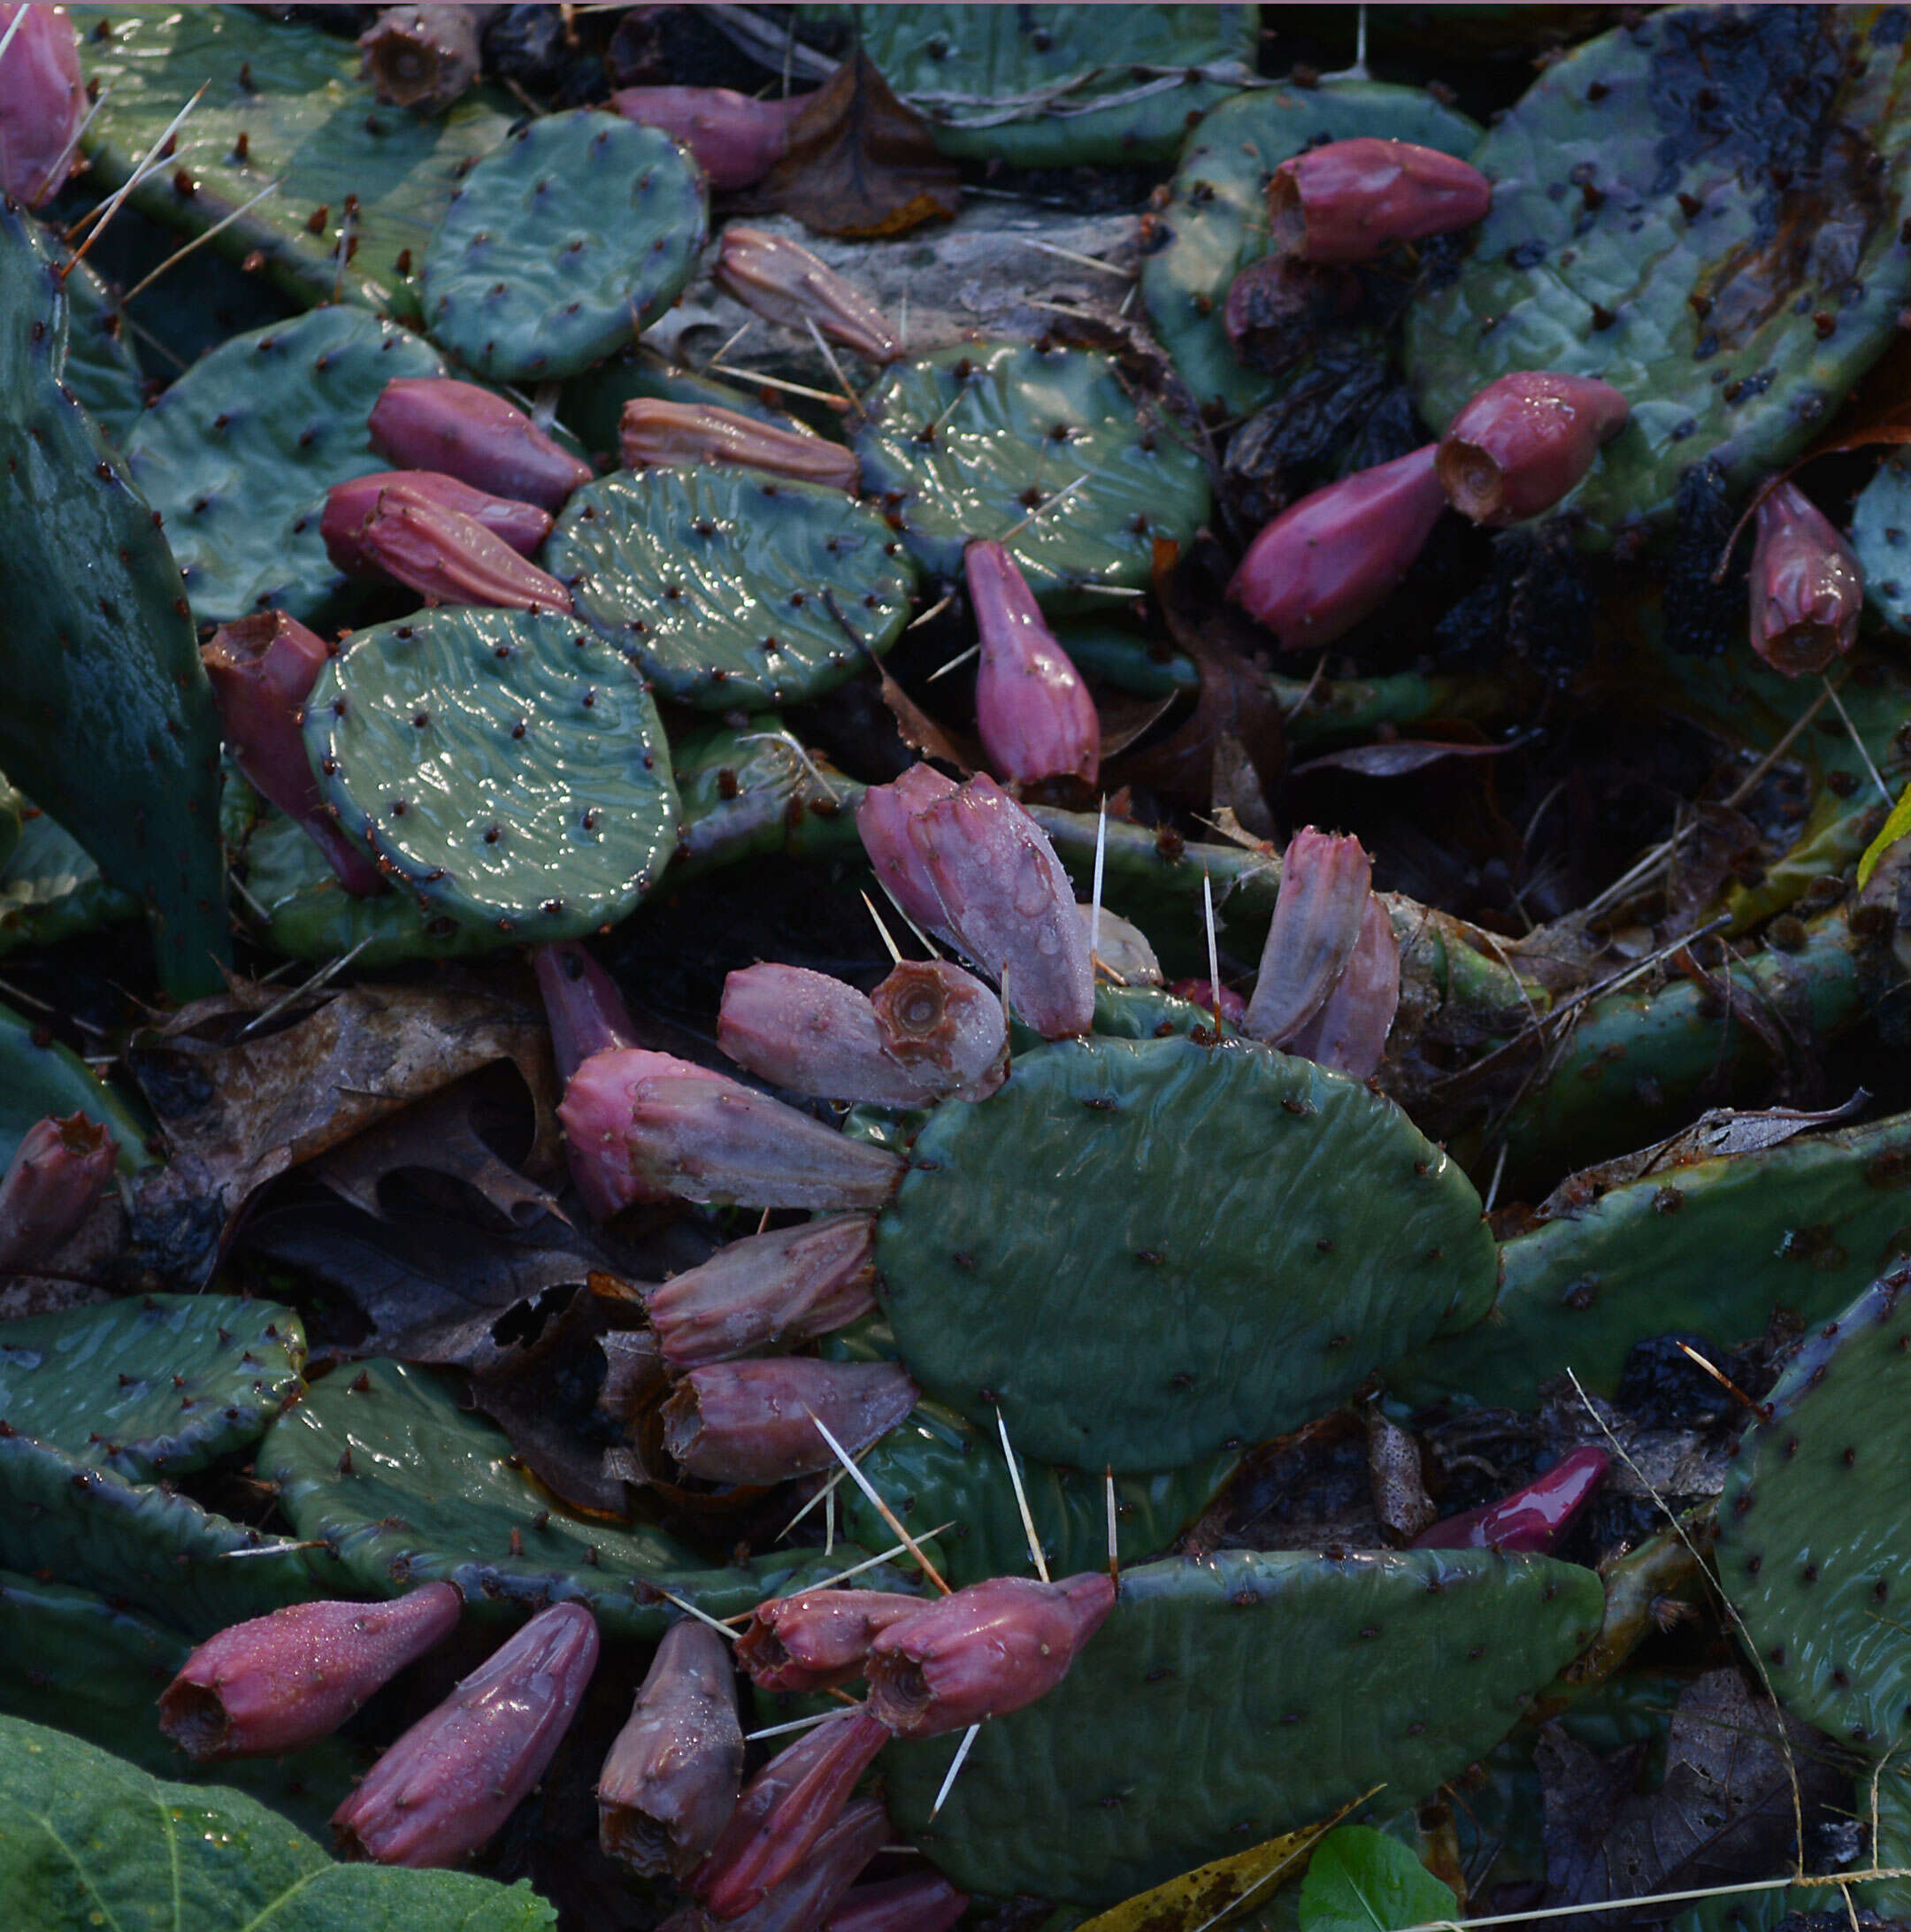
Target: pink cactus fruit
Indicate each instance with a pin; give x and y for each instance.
(1212, 998)
(594, 1112)
(42, 101)
(1277, 306)
(818, 1638)
(755, 1422)
(57, 1171)
(944, 1024)
(805, 1899)
(983, 1652)
(348, 506)
(453, 1778)
(670, 1785)
(1319, 911)
(448, 557)
(262, 669)
(1808, 589)
(923, 1902)
(1350, 201)
(1349, 1032)
(1520, 445)
(1533, 1519)
(735, 138)
(280, 1681)
(783, 281)
(1033, 711)
(1328, 561)
(423, 56)
(883, 814)
(654, 434)
(582, 1007)
(457, 428)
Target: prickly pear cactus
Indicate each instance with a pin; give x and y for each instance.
(561, 244)
(1142, 1251)
(1880, 535)
(1229, 1699)
(409, 1488)
(101, 368)
(237, 456)
(753, 793)
(505, 768)
(51, 889)
(591, 404)
(1039, 447)
(1650, 191)
(730, 589)
(1216, 223)
(157, 1385)
(39, 1077)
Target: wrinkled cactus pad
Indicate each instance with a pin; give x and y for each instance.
(971, 442)
(730, 589)
(1228, 1699)
(1142, 1251)
(1880, 535)
(507, 769)
(237, 456)
(1688, 210)
(561, 244)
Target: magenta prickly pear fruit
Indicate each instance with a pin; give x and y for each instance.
(670, 1785)
(423, 56)
(434, 423)
(348, 505)
(675, 435)
(755, 1422)
(409, 536)
(883, 814)
(42, 102)
(453, 1778)
(983, 1652)
(819, 1638)
(786, 1809)
(1524, 441)
(582, 1007)
(280, 1681)
(57, 1173)
(923, 1902)
(262, 669)
(805, 1899)
(1808, 589)
(736, 138)
(1532, 1520)
(1325, 885)
(1277, 308)
(594, 1113)
(1351, 200)
(1213, 998)
(779, 1288)
(1325, 563)
(944, 1024)
(1033, 711)
(1349, 1032)
(782, 281)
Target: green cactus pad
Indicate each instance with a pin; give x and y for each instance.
(50, 888)
(1625, 205)
(162, 1385)
(1815, 1539)
(507, 768)
(408, 1487)
(561, 244)
(1145, 1250)
(100, 368)
(719, 581)
(749, 793)
(1880, 535)
(1229, 1699)
(39, 1077)
(971, 441)
(1216, 223)
(1711, 1248)
(237, 456)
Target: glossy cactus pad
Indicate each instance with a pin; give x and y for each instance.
(1703, 209)
(1141, 1250)
(561, 244)
(509, 769)
(982, 441)
(730, 589)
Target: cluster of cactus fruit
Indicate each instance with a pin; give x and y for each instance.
(434, 621)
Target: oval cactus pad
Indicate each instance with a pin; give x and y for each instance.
(731, 588)
(1880, 535)
(1141, 1250)
(561, 245)
(508, 768)
(1041, 448)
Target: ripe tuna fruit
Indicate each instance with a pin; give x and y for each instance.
(1808, 589)
(656, 434)
(1351, 200)
(1524, 441)
(736, 138)
(782, 281)
(432, 423)
(42, 101)
(1032, 710)
(56, 1175)
(348, 506)
(449, 559)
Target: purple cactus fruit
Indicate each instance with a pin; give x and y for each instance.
(596, 1109)
(755, 1422)
(433, 423)
(786, 1809)
(281, 1681)
(736, 138)
(262, 669)
(1808, 589)
(1325, 563)
(1533, 1519)
(883, 814)
(932, 1015)
(423, 56)
(1349, 1032)
(1211, 998)
(805, 1899)
(1278, 306)
(582, 1007)
(446, 556)
(652, 434)
(923, 1902)
(818, 1638)
(1524, 441)
(670, 1785)
(782, 281)
(58, 1172)
(983, 1652)
(1350, 201)
(42, 102)
(348, 505)
(1033, 711)
(771, 1289)
(1325, 883)
(453, 1778)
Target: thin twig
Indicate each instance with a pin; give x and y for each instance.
(1838, 704)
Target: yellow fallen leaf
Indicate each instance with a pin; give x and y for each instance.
(1894, 829)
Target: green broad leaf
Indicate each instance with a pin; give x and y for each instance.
(86, 1840)
(1893, 829)
(1360, 1879)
